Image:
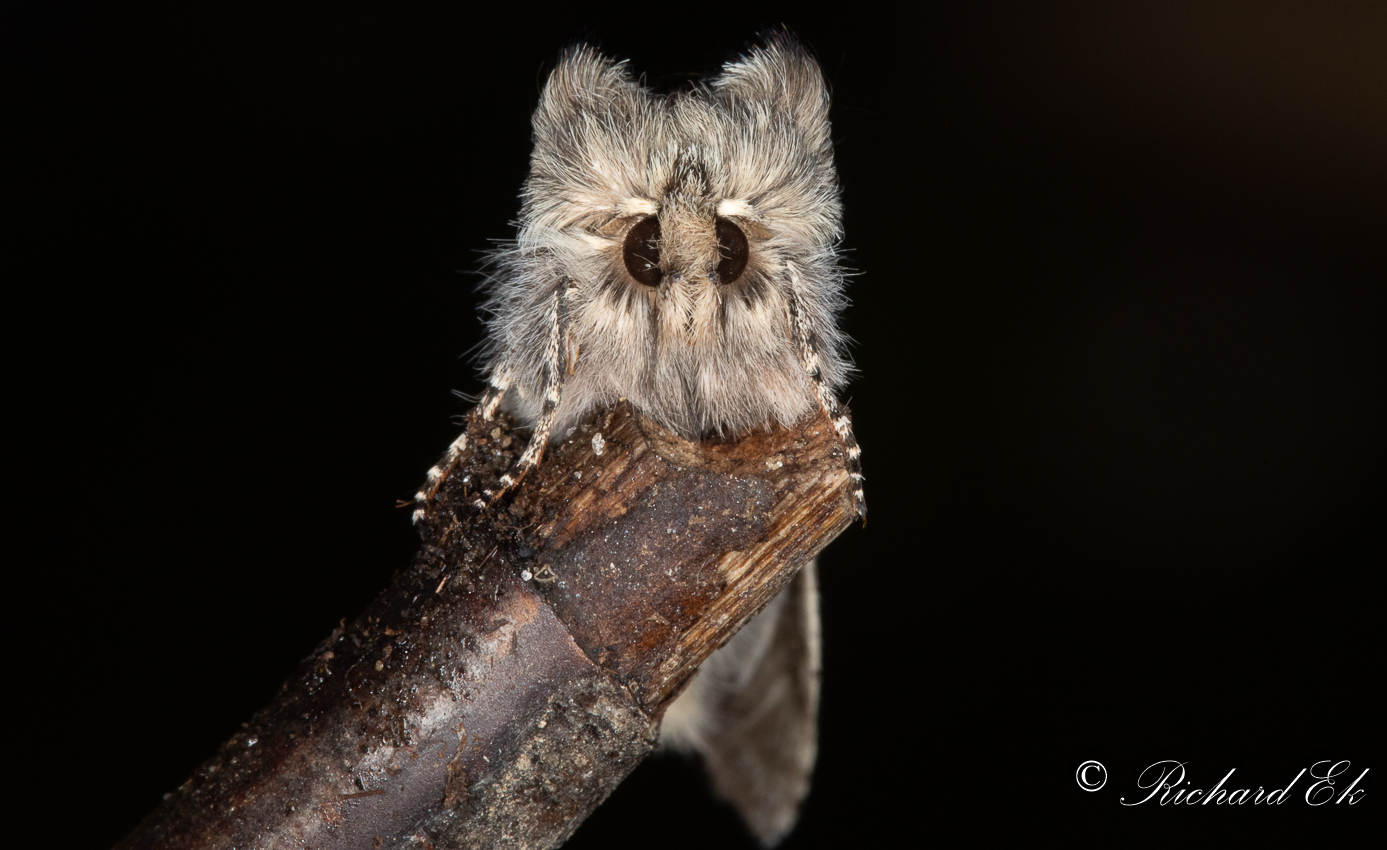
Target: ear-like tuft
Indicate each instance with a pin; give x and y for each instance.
(782, 75)
(584, 80)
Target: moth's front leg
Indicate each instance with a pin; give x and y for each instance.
(808, 353)
(440, 472)
(558, 365)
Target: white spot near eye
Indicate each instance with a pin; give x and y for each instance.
(735, 207)
(637, 206)
(595, 242)
(599, 445)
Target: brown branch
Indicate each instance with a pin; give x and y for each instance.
(504, 684)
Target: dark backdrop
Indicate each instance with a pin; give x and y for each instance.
(1118, 331)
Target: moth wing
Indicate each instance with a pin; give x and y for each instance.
(753, 710)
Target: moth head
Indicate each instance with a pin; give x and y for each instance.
(716, 185)
(688, 239)
(674, 238)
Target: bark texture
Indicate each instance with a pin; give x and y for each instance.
(498, 690)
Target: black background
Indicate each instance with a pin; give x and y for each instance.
(1118, 325)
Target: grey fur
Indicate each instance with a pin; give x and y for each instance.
(697, 356)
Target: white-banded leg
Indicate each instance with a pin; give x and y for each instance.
(495, 393)
(490, 402)
(809, 359)
(558, 364)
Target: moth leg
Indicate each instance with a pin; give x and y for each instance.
(842, 422)
(491, 400)
(558, 364)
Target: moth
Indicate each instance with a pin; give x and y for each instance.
(680, 251)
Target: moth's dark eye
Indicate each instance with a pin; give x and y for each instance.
(732, 249)
(642, 251)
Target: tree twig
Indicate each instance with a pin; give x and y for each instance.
(506, 681)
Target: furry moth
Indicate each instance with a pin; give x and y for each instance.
(680, 251)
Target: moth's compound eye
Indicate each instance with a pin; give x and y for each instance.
(732, 249)
(642, 251)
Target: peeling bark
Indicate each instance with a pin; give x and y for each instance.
(470, 706)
